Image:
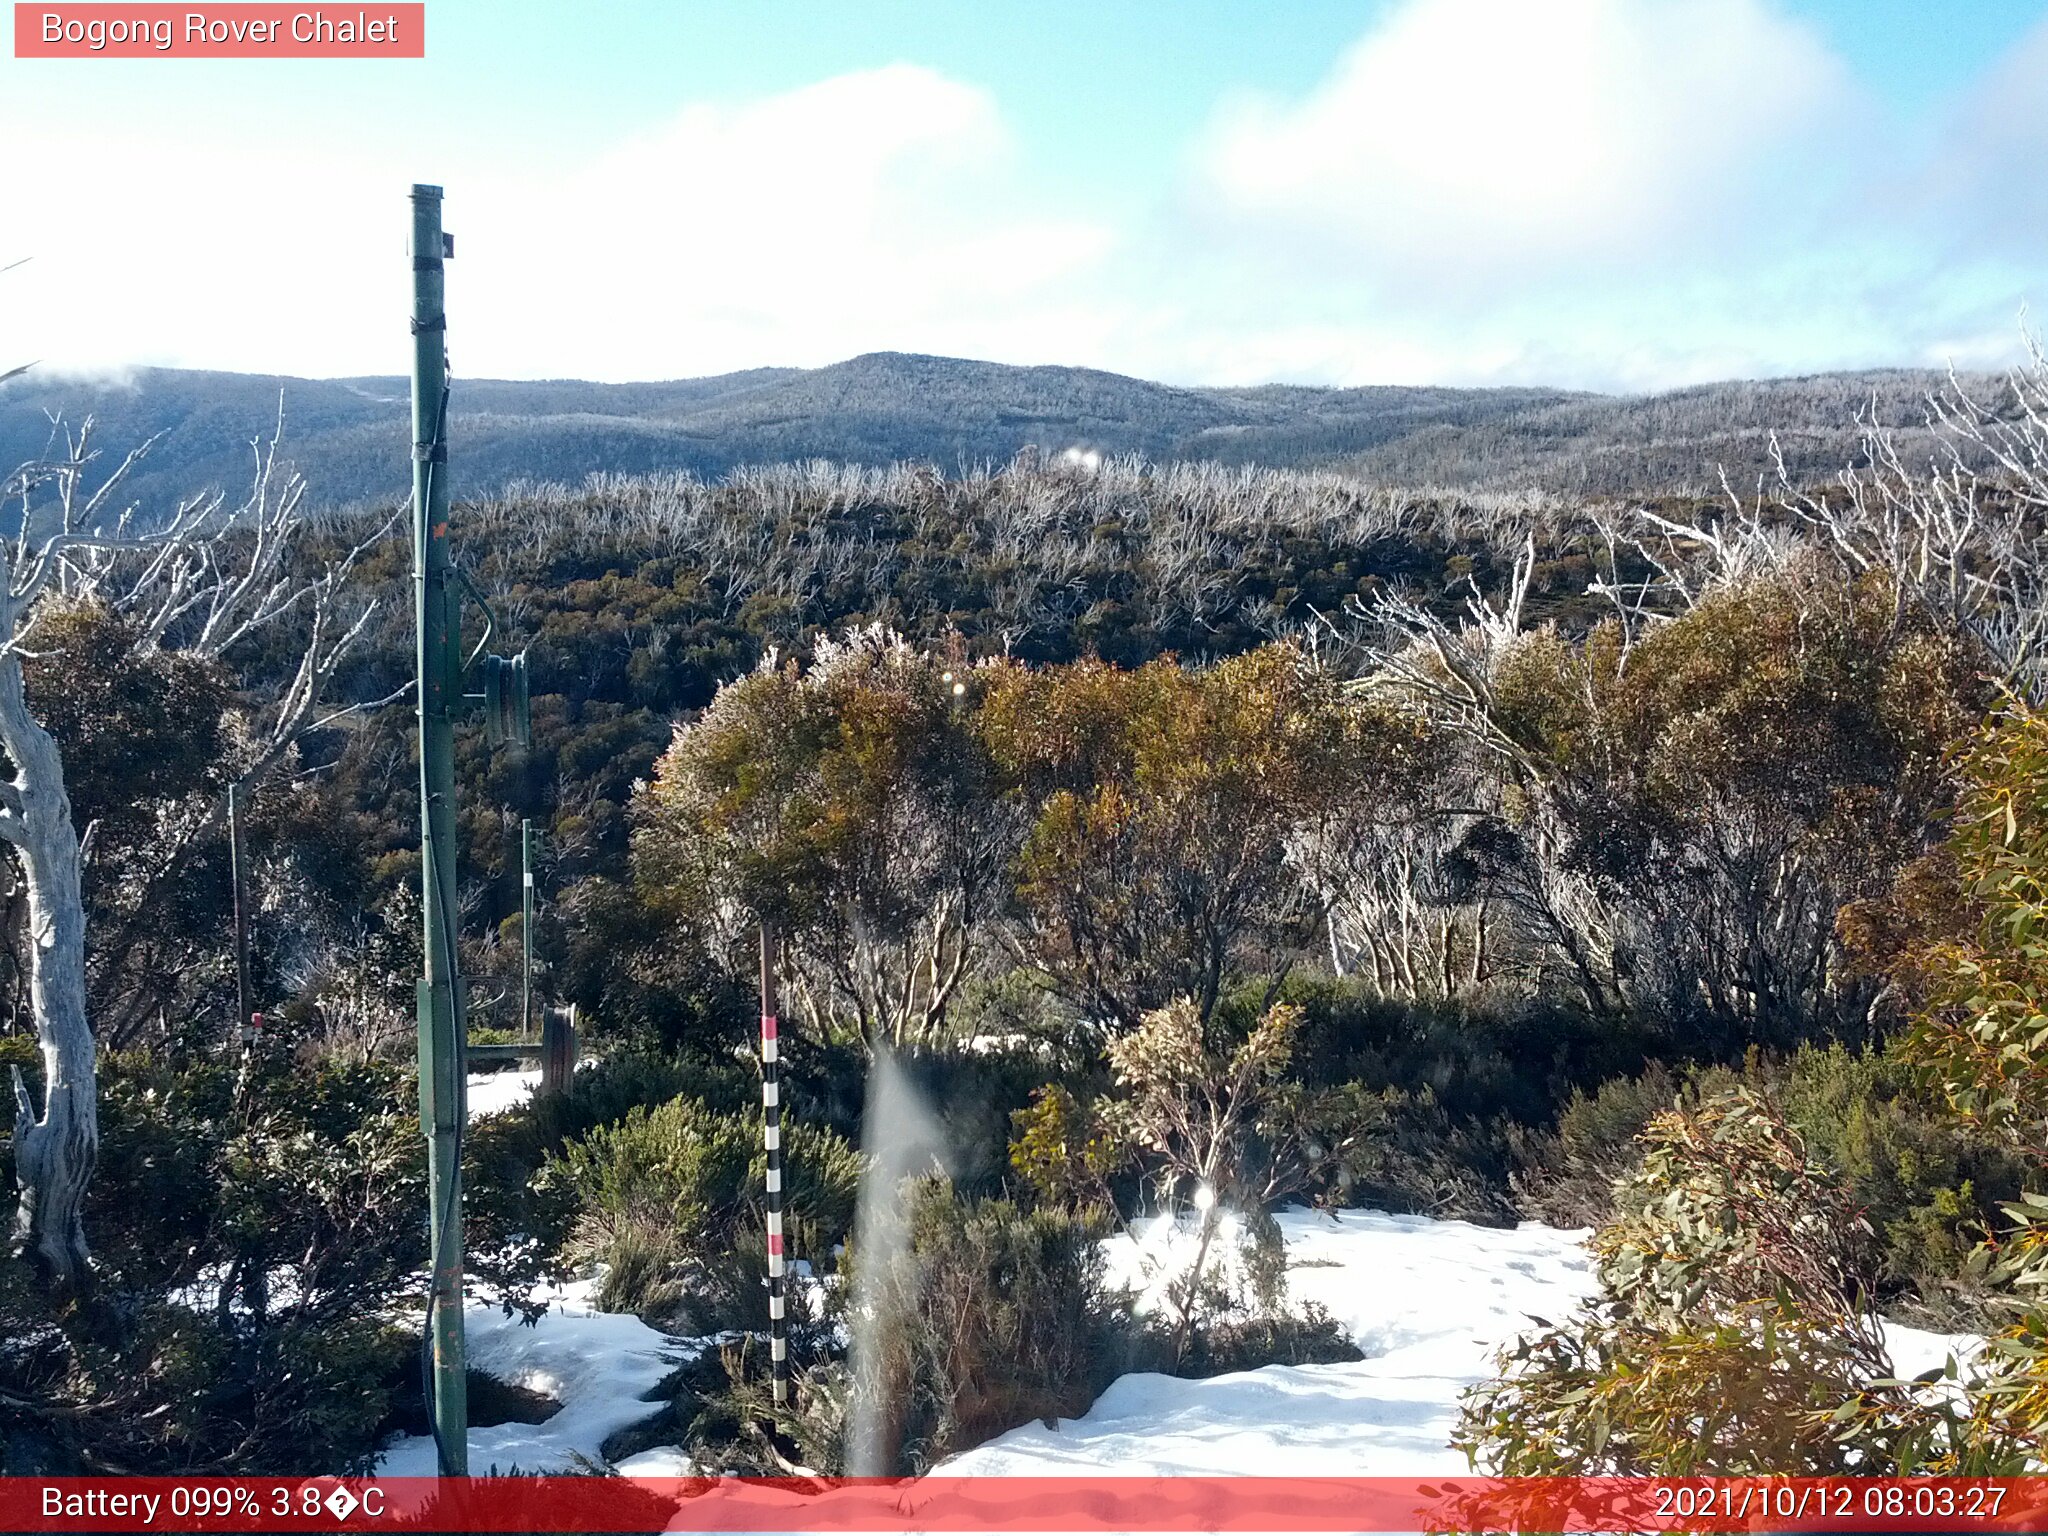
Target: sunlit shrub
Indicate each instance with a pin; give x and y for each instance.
(988, 1317)
(671, 1202)
(1732, 1335)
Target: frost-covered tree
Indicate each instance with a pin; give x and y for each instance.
(1679, 809)
(201, 581)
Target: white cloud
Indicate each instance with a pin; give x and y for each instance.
(866, 211)
(1618, 194)
(1982, 188)
(1598, 193)
(1506, 141)
(161, 249)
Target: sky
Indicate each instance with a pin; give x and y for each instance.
(1618, 195)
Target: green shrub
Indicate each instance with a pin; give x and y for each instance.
(1444, 1109)
(521, 1223)
(1930, 1185)
(253, 1238)
(1568, 1176)
(824, 1082)
(504, 1153)
(604, 1092)
(1062, 1151)
(1731, 1336)
(972, 1095)
(643, 979)
(163, 1131)
(296, 1392)
(1348, 1144)
(1400, 1151)
(989, 1316)
(670, 1200)
(1016, 1006)
(1479, 1061)
(1963, 942)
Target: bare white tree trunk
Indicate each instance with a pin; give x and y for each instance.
(54, 1152)
(205, 579)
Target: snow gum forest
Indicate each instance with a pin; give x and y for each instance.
(1277, 970)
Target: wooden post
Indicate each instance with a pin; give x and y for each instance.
(771, 1132)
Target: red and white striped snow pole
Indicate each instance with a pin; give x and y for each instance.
(771, 1131)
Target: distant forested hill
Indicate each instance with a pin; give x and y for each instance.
(348, 435)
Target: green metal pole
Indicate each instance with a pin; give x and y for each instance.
(525, 928)
(436, 614)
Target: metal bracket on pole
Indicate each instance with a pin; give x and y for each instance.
(507, 706)
(504, 701)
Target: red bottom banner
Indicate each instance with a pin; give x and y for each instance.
(1022, 1504)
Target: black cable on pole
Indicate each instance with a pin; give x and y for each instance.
(433, 454)
(452, 1191)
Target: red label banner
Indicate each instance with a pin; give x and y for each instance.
(100, 31)
(1023, 1504)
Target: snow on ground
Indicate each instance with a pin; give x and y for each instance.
(599, 1365)
(1915, 1350)
(490, 1093)
(1427, 1301)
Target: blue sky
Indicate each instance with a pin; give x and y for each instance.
(1610, 194)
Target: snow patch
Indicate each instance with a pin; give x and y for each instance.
(601, 1367)
(492, 1093)
(1429, 1302)
(662, 1461)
